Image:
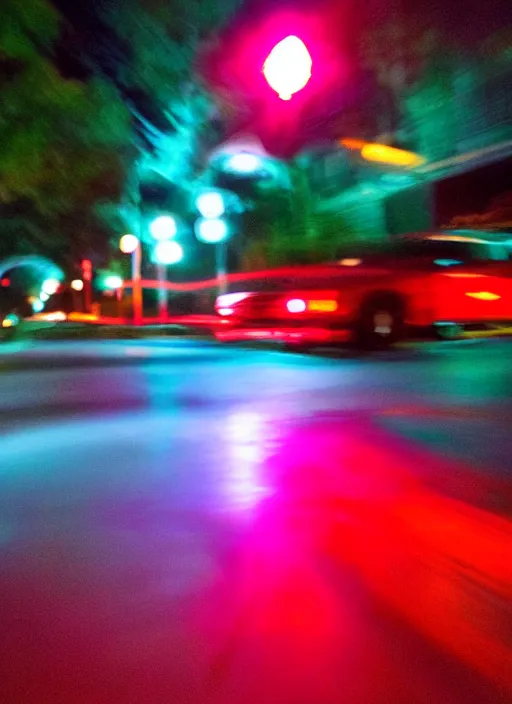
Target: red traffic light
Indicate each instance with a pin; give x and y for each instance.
(288, 67)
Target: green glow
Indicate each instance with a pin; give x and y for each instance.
(113, 282)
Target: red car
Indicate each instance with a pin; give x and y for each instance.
(442, 280)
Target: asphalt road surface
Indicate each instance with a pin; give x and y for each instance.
(184, 522)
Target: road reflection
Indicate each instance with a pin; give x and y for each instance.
(347, 514)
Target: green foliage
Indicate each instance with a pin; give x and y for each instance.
(284, 228)
(59, 139)
(164, 39)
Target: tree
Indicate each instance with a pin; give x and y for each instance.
(59, 138)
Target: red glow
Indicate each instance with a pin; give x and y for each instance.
(234, 69)
(87, 269)
(5, 282)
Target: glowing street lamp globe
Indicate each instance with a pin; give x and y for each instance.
(211, 204)
(128, 244)
(113, 282)
(211, 231)
(163, 228)
(244, 163)
(50, 286)
(167, 253)
(288, 67)
(77, 285)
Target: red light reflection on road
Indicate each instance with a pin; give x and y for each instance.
(348, 494)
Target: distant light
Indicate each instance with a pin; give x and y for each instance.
(211, 204)
(50, 286)
(128, 244)
(5, 282)
(37, 305)
(163, 228)
(384, 154)
(77, 285)
(113, 282)
(288, 67)
(168, 253)
(484, 296)
(447, 262)
(44, 297)
(296, 305)
(57, 317)
(211, 231)
(10, 320)
(350, 262)
(244, 163)
(230, 299)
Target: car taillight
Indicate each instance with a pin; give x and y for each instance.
(323, 306)
(316, 305)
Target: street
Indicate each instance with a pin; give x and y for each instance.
(188, 522)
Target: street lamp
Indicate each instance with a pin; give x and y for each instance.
(168, 253)
(77, 285)
(114, 282)
(244, 163)
(211, 204)
(163, 228)
(50, 286)
(211, 231)
(129, 244)
(288, 67)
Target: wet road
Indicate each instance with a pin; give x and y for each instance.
(182, 522)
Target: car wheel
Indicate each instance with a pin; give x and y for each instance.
(381, 323)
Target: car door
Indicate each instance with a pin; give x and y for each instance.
(470, 282)
(452, 273)
(493, 294)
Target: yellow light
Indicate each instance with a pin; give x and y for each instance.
(128, 244)
(326, 306)
(7, 323)
(456, 238)
(82, 317)
(77, 285)
(483, 296)
(351, 262)
(383, 154)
